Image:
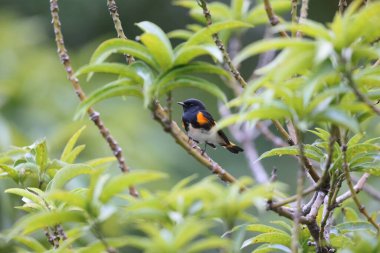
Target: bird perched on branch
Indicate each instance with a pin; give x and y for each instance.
(201, 128)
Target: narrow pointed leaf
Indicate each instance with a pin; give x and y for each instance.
(122, 46)
(272, 44)
(189, 69)
(339, 117)
(111, 68)
(204, 35)
(121, 87)
(67, 173)
(41, 154)
(70, 144)
(33, 222)
(12, 173)
(194, 82)
(118, 184)
(273, 238)
(157, 43)
(186, 53)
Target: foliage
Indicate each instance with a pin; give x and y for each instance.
(325, 83)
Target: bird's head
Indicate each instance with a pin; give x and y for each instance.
(192, 104)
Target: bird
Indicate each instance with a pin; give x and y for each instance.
(200, 126)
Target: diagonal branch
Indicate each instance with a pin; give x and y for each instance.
(112, 7)
(94, 115)
(227, 59)
(273, 19)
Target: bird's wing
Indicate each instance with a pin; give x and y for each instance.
(224, 137)
(205, 120)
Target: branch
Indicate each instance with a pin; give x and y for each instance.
(273, 19)
(112, 7)
(300, 186)
(342, 6)
(227, 59)
(303, 15)
(357, 188)
(94, 115)
(352, 189)
(293, 12)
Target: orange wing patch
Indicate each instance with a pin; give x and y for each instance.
(201, 119)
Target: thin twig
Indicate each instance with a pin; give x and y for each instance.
(227, 59)
(342, 6)
(94, 115)
(303, 15)
(358, 187)
(300, 186)
(273, 19)
(352, 189)
(293, 12)
(270, 136)
(57, 232)
(112, 7)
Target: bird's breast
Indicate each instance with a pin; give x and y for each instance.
(202, 135)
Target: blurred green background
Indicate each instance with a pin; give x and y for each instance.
(37, 101)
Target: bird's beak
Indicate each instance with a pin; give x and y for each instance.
(181, 103)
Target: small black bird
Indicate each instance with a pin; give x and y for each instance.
(200, 126)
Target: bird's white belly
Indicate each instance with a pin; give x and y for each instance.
(202, 135)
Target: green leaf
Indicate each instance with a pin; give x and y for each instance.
(157, 43)
(11, 172)
(258, 15)
(186, 53)
(149, 76)
(70, 144)
(274, 238)
(194, 82)
(354, 226)
(271, 44)
(204, 35)
(263, 228)
(180, 34)
(41, 154)
(339, 117)
(341, 241)
(307, 27)
(31, 243)
(204, 245)
(33, 222)
(120, 69)
(67, 173)
(272, 248)
(26, 194)
(101, 161)
(125, 47)
(71, 199)
(275, 110)
(191, 68)
(120, 183)
(74, 153)
(118, 242)
(121, 87)
(310, 152)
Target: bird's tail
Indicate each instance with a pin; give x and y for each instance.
(233, 148)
